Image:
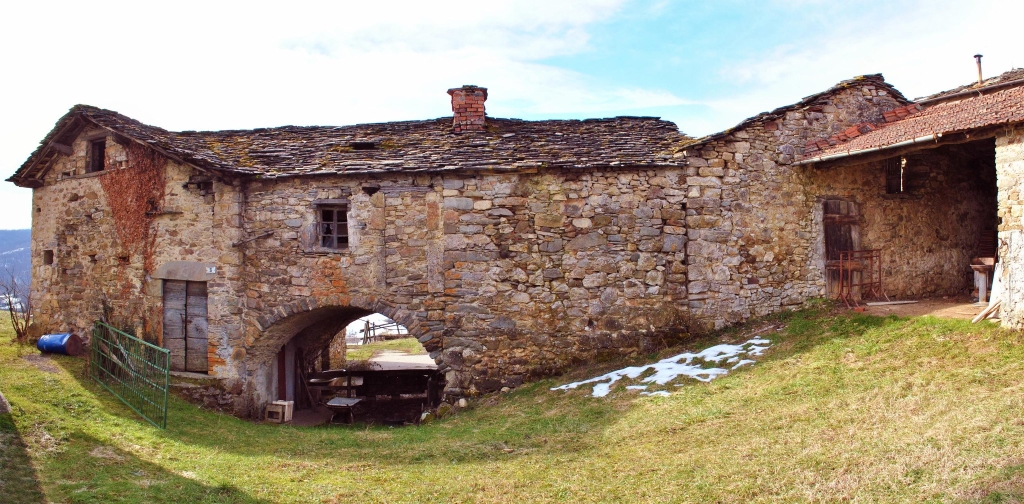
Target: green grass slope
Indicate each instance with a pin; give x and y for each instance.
(841, 408)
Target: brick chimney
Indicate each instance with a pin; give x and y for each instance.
(468, 106)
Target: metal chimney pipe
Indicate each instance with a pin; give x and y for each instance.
(977, 58)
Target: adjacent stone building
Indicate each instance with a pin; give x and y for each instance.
(511, 249)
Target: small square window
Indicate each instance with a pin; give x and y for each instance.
(333, 226)
(97, 155)
(47, 257)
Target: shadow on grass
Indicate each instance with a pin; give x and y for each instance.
(529, 420)
(19, 482)
(89, 471)
(78, 369)
(550, 422)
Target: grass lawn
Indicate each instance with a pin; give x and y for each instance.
(364, 352)
(844, 407)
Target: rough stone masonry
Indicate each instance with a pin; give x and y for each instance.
(511, 249)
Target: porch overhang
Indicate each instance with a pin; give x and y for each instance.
(933, 138)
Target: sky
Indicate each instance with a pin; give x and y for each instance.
(705, 65)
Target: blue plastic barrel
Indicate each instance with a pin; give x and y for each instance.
(62, 343)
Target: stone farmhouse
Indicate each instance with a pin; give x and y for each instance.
(513, 249)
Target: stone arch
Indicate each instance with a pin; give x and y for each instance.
(319, 318)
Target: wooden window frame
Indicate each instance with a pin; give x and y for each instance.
(332, 224)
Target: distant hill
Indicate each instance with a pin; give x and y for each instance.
(16, 254)
(15, 249)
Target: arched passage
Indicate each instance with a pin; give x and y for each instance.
(311, 323)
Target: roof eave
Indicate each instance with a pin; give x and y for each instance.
(839, 155)
(30, 174)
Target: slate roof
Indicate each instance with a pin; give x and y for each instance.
(406, 146)
(955, 115)
(1003, 78)
(821, 98)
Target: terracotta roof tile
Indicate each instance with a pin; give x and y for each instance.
(1003, 106)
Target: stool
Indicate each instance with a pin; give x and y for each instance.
(344, 406)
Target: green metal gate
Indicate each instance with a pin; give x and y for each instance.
(135, 371)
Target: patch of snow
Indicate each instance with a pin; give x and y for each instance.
(656, 393)
(685, 364)
(12, 251)
(743, 362)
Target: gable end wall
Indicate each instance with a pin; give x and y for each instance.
(753, 245)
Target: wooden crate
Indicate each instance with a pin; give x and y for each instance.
(280, 411)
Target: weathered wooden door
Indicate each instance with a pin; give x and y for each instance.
(842, 230)
(185, 325)
(196, 328)
(174, 322)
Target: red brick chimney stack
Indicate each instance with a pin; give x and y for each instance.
(468, 106)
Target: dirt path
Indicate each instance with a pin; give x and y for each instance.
(390, 361)
(954, 308)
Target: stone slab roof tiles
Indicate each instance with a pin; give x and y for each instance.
(1003, 78)
(876, 80)
(407, 146)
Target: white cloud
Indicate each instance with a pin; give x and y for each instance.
(217, 65)
(925, 49)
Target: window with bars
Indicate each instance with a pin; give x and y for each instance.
(333, 226)
(895, 174)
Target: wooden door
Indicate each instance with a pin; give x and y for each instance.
(185, 325)
(174, 322)
(196, 328)
(842, 233)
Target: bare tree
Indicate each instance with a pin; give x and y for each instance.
(16, 295)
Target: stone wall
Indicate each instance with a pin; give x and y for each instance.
(113, 233)
(750, 221)
(1010, 176)
(503, 277)
(929, 233)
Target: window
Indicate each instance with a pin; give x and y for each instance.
(894, 175)
(333, 226)
(97, 155)
(47, 257)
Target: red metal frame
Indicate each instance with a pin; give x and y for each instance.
(861, 270)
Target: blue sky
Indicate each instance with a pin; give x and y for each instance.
(704, 65)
